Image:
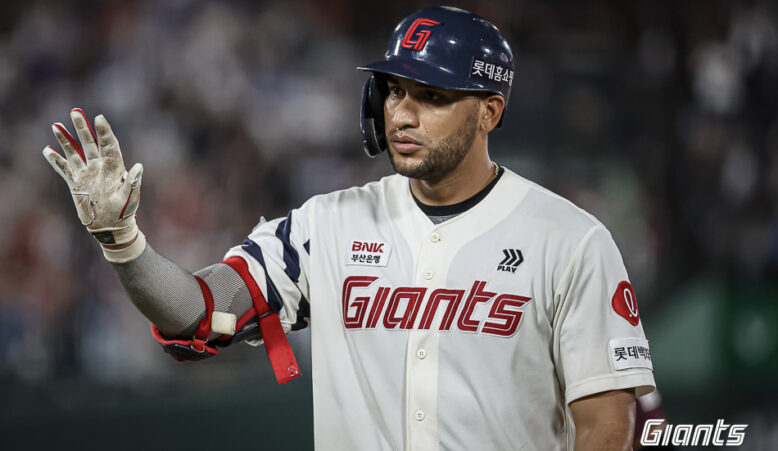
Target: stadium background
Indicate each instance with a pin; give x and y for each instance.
(660, 117)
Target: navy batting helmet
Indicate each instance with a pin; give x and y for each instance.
(443, 47)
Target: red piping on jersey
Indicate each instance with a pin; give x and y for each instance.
(277, 346)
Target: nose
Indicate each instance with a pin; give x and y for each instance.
(402, 114)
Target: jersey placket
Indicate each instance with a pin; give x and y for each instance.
(421, 360)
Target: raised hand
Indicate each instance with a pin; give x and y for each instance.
(105, 194)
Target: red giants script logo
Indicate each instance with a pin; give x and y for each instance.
(365, 312)
(416, 40)
(625, 303)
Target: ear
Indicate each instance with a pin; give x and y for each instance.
(491, 109)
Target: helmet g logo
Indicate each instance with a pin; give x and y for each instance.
(417, 40)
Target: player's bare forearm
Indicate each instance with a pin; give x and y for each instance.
(604, 421)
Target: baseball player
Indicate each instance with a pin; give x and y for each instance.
(453, 305)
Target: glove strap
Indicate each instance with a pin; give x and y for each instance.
(115, 235)
(128, 253)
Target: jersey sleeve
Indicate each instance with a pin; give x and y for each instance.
(599, 339)
(277, 256)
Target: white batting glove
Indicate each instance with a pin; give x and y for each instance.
(105, 194)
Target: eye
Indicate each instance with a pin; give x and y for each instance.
(432, 96)
(395, 92)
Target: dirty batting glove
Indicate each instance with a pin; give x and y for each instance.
(105, 194)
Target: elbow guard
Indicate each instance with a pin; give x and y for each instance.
(197, 348)
(259, 322)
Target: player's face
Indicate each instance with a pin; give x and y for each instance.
(429, 130)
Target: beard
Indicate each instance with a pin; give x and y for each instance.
(442, 157)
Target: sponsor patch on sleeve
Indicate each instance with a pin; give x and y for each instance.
(368, 253)
(625, 303)
(630, 352)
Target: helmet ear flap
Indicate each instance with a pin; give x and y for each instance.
(378, 91)
(372, 116)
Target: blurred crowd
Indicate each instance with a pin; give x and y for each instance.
(660, 117)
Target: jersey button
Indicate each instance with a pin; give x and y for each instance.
(419, 415)
(428, 274)
(435, 237)
(421, 354)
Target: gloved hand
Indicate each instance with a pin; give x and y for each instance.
(105, 194)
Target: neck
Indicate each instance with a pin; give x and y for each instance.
(466, 180)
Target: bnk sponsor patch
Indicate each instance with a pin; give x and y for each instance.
(368, 253)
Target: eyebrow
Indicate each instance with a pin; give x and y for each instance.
(393, 79)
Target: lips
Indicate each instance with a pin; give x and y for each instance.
(405, 145)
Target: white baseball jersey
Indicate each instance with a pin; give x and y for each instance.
(472, 334)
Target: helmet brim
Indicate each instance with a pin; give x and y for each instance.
(425, 73)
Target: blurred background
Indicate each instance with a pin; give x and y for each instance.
(660, 117)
